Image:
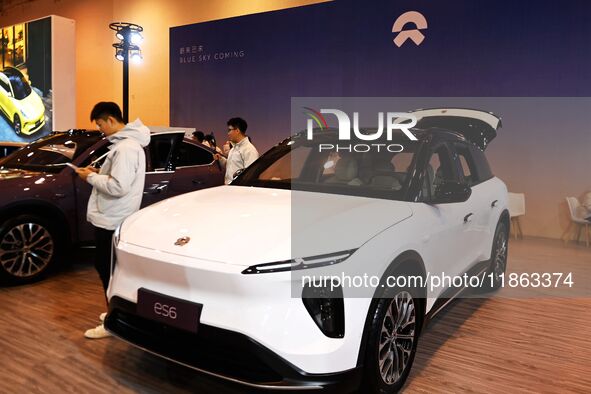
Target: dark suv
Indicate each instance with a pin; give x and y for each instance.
(43, 202)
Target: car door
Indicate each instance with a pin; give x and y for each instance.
(159, 172)
(160, 169)
(195, 169)
(95, 157)
(479, 205)
(445, 232)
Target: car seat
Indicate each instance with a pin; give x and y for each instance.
(346, 172)
(384, 175)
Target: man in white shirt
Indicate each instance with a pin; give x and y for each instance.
(242, 154)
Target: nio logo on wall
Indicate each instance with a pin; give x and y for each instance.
(412, 18)
(197, 54)
(394, 121)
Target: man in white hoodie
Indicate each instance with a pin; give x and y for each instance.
(117, 188)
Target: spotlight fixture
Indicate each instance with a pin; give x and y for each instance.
(129, 36)
(121, 49)
(136, 57)
(136, 38)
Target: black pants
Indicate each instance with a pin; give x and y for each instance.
(102, 258)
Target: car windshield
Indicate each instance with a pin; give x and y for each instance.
(378, 169)
(51, 153)
(20, 88)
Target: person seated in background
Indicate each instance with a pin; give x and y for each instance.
(210, 141)
(586, 203)
(199, 136)
(346, 171)
(226, 148)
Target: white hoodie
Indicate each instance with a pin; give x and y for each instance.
(118, 187)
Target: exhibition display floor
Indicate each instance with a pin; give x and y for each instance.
(509, 344)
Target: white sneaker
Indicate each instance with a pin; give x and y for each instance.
(102, 316)
(97, 333)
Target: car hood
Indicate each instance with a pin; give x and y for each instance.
(246, 225)
(31, 105)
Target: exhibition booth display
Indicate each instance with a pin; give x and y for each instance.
(377, 124)
(37, 93)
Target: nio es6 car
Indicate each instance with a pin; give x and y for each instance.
(249, 303)
(20, 103)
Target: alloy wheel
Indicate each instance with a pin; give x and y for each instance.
(500, 262)
(17, 124)
(397, 337)
(26, 249)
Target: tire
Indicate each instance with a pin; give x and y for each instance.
(28, 249)
(17, 124)
(498, 258)
(392, 342)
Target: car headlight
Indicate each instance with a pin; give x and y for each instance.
(300, 263)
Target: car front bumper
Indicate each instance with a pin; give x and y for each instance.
(260, 307)
(31, 126)
(221, 353)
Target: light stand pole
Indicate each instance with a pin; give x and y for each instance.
(125, 87)
(129, 35)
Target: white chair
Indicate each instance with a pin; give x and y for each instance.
(516, 209)
(577, 217)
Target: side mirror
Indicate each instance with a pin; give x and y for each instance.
(451, 192)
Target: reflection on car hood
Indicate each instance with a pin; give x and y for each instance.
(247, 225)
(12, 173)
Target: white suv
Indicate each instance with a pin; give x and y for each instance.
(227, 280)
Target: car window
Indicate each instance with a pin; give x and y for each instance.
(311, 165)
(193, 155)
(21, 88)
(483, 170)
(439, 169)
(5, 86)
(287, 167)
(402, 161)
(468, 156)
(97, 157)
(466, 163)
(161, 152)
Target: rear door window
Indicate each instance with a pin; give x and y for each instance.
(192, 155)
(467, 158)
(439, 169)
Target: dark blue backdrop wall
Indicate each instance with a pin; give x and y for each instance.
(252, 66)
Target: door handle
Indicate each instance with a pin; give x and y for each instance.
(468, 217)
(156, 188)
(198, 182)
(494, 203)
(59, 195)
